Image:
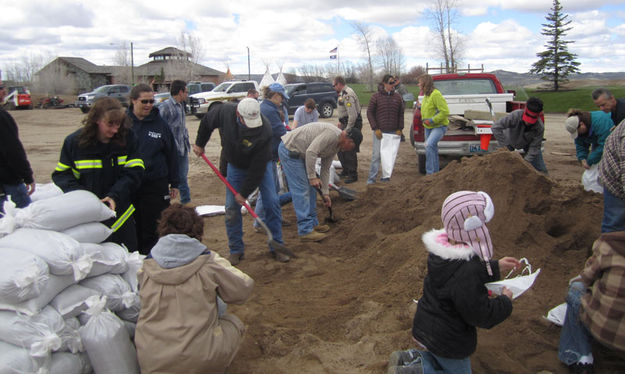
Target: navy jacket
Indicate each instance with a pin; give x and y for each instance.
(14, 166)
(157, 147)
(272, 112)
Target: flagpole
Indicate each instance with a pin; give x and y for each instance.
(338, 63)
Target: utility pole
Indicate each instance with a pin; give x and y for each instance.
(132, 63)
(249, 74)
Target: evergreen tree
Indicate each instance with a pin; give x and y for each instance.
(556, 63)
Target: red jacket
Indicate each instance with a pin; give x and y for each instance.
(386, 111)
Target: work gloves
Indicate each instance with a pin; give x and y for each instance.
(378, 134)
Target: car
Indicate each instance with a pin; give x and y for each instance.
(197, 87)
(118, 91)
(225, 91)
(160, 97)
(322, 92)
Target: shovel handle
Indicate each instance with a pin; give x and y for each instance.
(234, 192)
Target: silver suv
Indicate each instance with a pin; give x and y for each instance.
(118, 91)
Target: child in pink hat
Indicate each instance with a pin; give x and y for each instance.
(455, 301)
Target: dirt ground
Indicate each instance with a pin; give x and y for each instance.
(345, 304)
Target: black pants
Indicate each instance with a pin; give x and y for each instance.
(349, 159)
(151, 199)
(126, 234)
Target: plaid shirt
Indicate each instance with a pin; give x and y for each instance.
(173, 114)
(603, 305)
(612, 164)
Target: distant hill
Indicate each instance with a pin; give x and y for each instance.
(512, 79)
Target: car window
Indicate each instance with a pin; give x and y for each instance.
(113, 90)
(314, 88)
(207, 87)
(465, 86)
(193, 89)
(102, 89)
(299, 90)
(19, 89)
(124, 89)
(222, 87)
(241, 87)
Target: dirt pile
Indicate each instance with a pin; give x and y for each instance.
(351, 296)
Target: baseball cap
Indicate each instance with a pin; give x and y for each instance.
(530, 117)
(249, 109)
(355, 135)
(571, 124)
(277, 87)
(464, 215)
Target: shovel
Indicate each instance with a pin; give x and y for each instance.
(278, 247)
(344, 192)
(330, 218)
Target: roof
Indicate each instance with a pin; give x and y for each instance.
(155, 67)
(170, 51)
(85, 65)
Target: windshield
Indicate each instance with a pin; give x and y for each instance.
(19, 89)
(101, 89)
(222, 87)
(290, 87)
(465, 86)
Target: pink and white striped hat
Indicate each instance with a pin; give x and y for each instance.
(464, 215)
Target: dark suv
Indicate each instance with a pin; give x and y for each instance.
(322, 92)
(118, 91)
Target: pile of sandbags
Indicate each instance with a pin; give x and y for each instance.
(68, 300)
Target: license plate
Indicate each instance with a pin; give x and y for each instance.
(475, 148)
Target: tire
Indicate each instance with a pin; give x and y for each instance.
(421, 163)
(326, 110)
(411, 132)
(84, 109)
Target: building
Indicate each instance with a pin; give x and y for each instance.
(77, 75)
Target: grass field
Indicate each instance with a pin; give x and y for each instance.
(555, 102)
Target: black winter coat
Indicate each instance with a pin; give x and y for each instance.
(14, 166)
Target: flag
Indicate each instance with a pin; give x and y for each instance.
(332, 57)
(334, 50)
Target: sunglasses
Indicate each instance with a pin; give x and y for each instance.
(147, 101)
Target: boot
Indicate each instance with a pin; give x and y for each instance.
(312, 236)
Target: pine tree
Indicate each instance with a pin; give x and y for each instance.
(556, 63)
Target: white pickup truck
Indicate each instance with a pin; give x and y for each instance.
(465, 93)
(226, 91)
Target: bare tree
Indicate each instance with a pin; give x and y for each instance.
(444, 16)
(122, 71)
(390, 56)
(54, 81)
(24, 70)
(413, 74)
(365, 37)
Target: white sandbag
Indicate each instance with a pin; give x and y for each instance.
(107, 342)
(131, 327)
(389, 146)
(115, 288)
(54, 285)
(130, 314)
(45, 191)
(71, 301)
(590, 179)
(63, 254)
(17, 360)
(69, 363)
(107, 258)
(70, 337)
(91, 232)
(134, 261)
(21, 275)
(57, 213)
(40, 333)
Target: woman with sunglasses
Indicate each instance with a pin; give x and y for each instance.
(103, 157)
(158, 150)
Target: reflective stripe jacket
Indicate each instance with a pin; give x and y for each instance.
(106, 169)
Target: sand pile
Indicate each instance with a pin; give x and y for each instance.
(351, 296)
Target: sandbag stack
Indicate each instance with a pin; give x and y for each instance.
(59, 286)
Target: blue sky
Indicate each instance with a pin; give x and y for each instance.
(501, 34)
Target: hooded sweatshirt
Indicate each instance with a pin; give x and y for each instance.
(455, 300)
(179, 330)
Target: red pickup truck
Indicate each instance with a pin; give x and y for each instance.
(465, 92)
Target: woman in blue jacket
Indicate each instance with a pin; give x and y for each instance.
(589, 130)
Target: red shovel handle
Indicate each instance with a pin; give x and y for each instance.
(234, 192)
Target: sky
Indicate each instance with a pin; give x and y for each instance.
(500, 34)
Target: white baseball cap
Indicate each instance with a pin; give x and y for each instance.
(571, 124)
(249, 109)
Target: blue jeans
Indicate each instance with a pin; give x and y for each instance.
(273, 214)
(539, 163)
(433, 364)
(432, 137)
(375, 160)
(18, 193)
(304, 195)
(613, 212)
(183, 171)
(285, 198)
(575, 341)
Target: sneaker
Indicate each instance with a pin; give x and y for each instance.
(412, 369)
(401, 358)
(322, 228)
(280, 257)
(235, 258)
(578, 368)
(385, 179)
(312, 236)
(351, 179)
